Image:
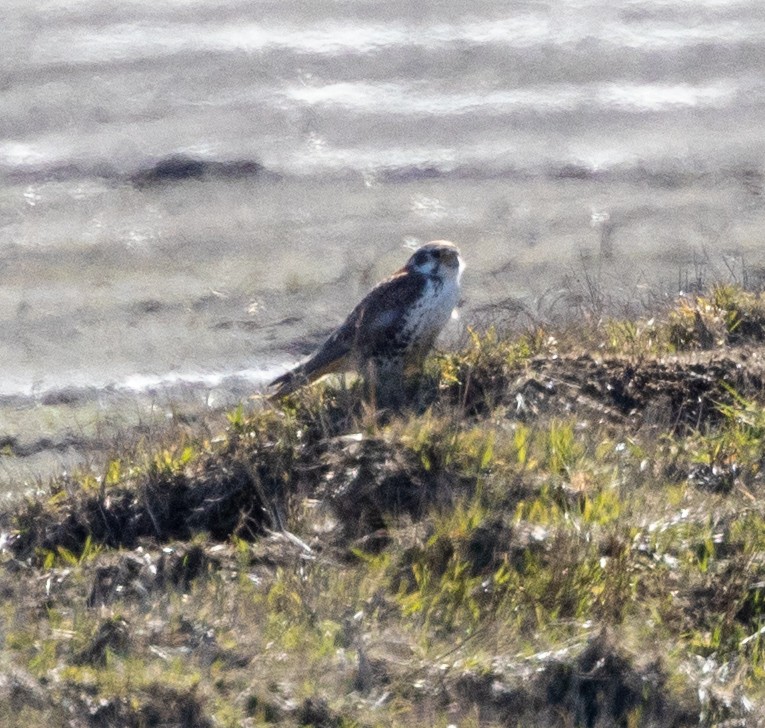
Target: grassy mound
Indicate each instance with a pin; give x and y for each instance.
(564, 529)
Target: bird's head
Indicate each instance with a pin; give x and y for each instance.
(439, 258)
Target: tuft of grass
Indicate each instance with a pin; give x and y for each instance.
(728, 315)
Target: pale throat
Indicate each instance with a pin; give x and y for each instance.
(447, 290)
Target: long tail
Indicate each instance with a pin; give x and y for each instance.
(301, 375)
(288, 382)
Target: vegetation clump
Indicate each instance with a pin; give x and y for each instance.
(564, 528)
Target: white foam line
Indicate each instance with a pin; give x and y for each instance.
(144, 40)
(139, 383)
(408, 99)
(145, 382)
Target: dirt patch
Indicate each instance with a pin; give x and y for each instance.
(220, 497)
(676, 395)
(160, 706)
(136, 574)
(373, 478)
(602, 686)
(112, 635)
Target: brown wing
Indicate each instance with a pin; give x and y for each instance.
(368, 331)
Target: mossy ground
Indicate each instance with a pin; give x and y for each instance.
(566, 528)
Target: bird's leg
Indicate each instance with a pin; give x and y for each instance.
(385, 384)
(372, 383)
(370, 376)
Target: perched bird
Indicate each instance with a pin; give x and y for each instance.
(391, 330)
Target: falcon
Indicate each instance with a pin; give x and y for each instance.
(391, 330)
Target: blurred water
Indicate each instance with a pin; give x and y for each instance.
(561, 144)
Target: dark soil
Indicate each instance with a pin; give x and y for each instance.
(674, 394)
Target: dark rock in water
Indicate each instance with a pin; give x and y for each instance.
(170, 169)
(572, 171)
(148, 305)
(180, 167)
(410, 174)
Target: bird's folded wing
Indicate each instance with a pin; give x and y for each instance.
(373, 325)
(370, 330)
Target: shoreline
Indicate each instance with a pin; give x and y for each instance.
(64, 430)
